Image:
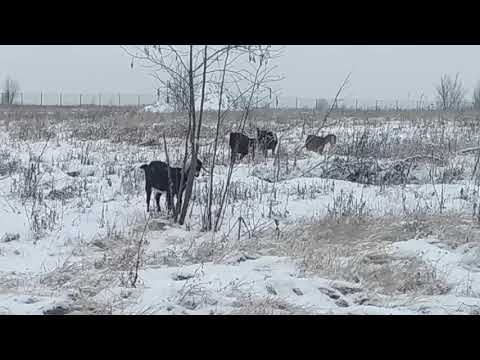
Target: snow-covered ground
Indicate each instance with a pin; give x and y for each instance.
(74, 231)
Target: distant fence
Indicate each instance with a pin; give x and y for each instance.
(357, 104)
(71, 99)
(276, 102)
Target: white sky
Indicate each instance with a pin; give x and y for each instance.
(378, 72)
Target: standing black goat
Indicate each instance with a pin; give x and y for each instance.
(156, 177)
(241, 144)
(267, 140)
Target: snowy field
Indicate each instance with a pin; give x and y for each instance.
(385, 223)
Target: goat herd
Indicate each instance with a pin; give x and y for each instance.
(158, 173)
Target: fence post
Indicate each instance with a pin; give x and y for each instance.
(138, 100)
(396, 105)
(276, 102)
(60, 99)
(41, 99)
(118, 99)
(80, 99)
(376, 105)
(21, 98)
(296, 103)
(356, 105)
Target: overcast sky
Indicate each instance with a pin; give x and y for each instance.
(378, 72)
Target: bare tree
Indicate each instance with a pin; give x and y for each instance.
(10, 91)
(450, 93)
(184, 73)
(476, 97)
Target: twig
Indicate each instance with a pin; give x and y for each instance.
(137, 263)
(472, 149)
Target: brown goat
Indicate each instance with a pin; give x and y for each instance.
(317, 143)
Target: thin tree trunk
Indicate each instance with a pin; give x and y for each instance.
(224, 195)
(188, 188)
(180, 191)
(170, 182)
(215, 147)
(249, 104)
(194, 144)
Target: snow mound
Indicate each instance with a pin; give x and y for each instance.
(210, 104)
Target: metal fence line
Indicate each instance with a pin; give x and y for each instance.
(78, 99)
(275, 102)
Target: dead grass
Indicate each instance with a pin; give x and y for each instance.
(356, 250)
(347, 247)
(248, 305)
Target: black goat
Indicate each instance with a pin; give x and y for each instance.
(241, 144)
(156, 177)
(267, 140)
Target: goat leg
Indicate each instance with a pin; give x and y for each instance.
(157, 200)
(148, 190)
